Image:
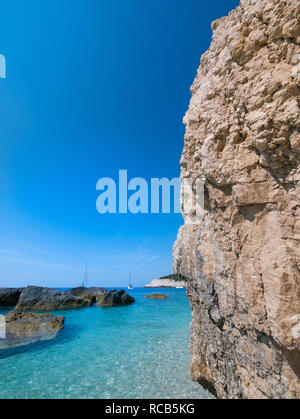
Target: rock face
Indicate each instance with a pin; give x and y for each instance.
(9, 297)
(115, 298)
(45, 299)
(25, 328)
(241, 254)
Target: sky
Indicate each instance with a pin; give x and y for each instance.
(92, 87)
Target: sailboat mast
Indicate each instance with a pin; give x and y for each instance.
(130, 278)
(85, 278)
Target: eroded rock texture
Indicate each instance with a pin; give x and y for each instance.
(242, 258)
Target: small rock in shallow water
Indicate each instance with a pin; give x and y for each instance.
(157, 296)
(25, 328)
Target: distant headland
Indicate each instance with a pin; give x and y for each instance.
(169, 281)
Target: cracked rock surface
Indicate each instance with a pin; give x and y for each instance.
(242, 255)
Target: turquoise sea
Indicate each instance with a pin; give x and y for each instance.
(138, 351)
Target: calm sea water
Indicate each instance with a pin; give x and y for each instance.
(138, 351)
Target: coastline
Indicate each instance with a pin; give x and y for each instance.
(113, 351)
(166, 283)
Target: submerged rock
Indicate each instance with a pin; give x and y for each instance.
(157, 296)
(44, 299)
(25, 328)
(9, 297)
(115, 298)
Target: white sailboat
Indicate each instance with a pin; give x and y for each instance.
(130, 286)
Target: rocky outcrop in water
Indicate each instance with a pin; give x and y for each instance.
(92, 293)
(45, 299)
(241, 255)
(9, 297)
(26, 328)
(115, 298)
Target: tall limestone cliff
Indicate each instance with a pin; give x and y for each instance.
(242, 256)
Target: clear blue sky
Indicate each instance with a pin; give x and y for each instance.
(93, 86)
